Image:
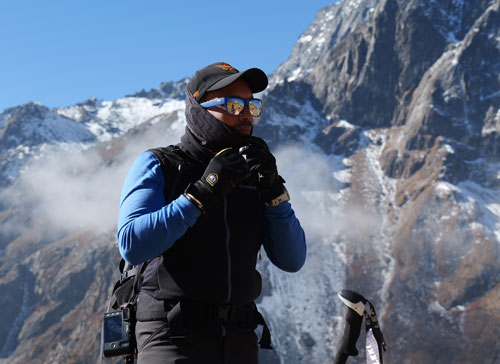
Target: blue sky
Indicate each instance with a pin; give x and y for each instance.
(62, 52)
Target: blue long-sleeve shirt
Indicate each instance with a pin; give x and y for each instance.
(147, 226)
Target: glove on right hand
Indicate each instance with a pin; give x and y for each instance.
(224, 172)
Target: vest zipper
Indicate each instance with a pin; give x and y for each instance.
(228, 253)
(180, 167)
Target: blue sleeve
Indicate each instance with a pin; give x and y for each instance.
(147, 226)
(285, 242)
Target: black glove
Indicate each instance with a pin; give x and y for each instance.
(224, 172)
(261, 161)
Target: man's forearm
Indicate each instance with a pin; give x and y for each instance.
(150, 234)
(285, 242)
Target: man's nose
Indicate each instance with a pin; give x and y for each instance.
(245, 114)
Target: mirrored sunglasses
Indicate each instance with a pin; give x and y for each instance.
(235, 105)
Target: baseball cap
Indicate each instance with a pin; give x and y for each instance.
(219, 75)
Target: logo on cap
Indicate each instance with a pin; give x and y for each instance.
(212, 179)
(226, 67)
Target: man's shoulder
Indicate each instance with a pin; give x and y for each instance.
(170, 154)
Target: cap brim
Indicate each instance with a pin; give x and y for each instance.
(254, 77)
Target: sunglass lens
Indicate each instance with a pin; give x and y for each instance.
(255, 107)
(235, 105)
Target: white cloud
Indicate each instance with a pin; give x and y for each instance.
(65, 191)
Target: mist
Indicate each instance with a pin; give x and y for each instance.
(65, 191)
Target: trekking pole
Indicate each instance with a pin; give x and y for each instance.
(357, 307)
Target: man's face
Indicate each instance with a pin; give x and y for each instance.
(243, 122)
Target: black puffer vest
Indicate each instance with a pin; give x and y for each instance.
(214, 262)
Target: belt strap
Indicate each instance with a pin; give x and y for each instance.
(233, 315)
(188, 312)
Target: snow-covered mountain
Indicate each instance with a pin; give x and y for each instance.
(385, 122)
(28, 130)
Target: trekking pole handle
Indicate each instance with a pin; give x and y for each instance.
(353, 320)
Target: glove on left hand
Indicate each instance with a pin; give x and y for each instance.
(261, 161)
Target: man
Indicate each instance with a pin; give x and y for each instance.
(199, 229)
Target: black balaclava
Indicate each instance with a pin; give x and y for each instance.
(205, 135)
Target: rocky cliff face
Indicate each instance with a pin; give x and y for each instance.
(410, 97)
(385, 122)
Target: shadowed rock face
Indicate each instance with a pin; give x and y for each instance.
(399, 103)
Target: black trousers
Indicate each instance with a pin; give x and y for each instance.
(155, 347)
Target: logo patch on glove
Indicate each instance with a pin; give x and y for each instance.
(212, 179)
